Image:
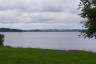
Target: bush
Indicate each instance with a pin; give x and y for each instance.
(1, 39)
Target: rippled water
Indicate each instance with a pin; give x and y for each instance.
(50, 40)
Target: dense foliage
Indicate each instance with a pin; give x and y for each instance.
(88, 8)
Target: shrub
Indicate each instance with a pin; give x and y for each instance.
(1, 39)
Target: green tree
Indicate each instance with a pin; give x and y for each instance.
(88, 12)
(1, 39)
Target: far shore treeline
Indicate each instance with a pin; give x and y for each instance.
(39, 30)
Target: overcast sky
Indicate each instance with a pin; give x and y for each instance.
(40, 14)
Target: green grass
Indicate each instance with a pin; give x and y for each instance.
(10, 55)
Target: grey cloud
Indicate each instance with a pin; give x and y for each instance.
(37, 5)
(39, 13)
(41, 26)
(41, 18)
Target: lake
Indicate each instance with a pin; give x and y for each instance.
(50, 40)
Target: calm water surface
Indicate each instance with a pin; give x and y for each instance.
(50, 40)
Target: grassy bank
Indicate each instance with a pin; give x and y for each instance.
(42, 56)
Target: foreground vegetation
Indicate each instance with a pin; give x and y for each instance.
(1, 39)
(10, 55)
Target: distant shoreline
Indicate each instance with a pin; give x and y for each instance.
(39, 30)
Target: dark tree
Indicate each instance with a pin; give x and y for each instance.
(1, 39)
(88, 12)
